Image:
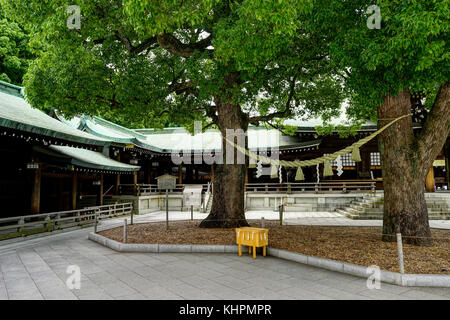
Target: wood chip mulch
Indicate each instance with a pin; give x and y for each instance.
(357, 245)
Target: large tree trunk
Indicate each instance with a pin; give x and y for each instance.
(228, 207)
(405, 208)
(406, 160)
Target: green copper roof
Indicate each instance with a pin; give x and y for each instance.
(110, 131)
(11, 89)
(177, 139)
(17, 114)
(83, 158)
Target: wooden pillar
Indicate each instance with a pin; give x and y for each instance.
(101, 189)
(364, 165)
(429, 181)
(190, 176)
(447, 163)
(150, 170)
(135, 180)
(117, 185)
(117, 178)
(246, 175)
(74, 190)
(36, 191)
(180, 174)
(212, 173)
(447, 171)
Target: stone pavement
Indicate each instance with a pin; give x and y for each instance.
(36, 269)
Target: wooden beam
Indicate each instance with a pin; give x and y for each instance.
(101, 190)
(81, 176)
(135, 182)
(117, 178)
(364, 165)
(74, 190)
(36, 191)
(447, 163)
(246, 175)
(56, 175)
(180, 174)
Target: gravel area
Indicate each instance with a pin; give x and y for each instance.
(357, 245)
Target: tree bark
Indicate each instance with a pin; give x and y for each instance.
(228, 207)
(406, 161)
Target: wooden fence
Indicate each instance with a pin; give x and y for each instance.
(311, 187)
(13, 227)
(149, 189)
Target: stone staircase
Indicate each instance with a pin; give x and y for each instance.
(371, 207)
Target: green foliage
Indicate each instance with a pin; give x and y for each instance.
(116, 67)
(409, 52)
(344, 130)
(15, 53)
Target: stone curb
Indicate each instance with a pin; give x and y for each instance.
(406, 280)
(161, 248)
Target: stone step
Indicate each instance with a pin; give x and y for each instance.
(346, 214)
(430, 213)
(430, 207)
(360, 206)
(371, 207)
(380, 216)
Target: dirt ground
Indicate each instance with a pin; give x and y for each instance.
(357, 245)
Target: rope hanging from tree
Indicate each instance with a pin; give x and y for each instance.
(353, 149)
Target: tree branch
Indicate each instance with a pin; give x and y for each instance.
(129, 46)
(279, 114)
(183, 87)
(208, 125)
(279, 128)
(176, 47)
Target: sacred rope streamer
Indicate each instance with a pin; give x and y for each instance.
(354, 149)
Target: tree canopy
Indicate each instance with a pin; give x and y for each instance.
(149, 63)
(410, 50)
(15, 53)
(232, 63)
(383, 68)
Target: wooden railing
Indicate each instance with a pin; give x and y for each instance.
(149, 189)
(26, 225)
(311, 187)
(343, 186)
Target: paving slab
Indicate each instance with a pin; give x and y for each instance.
(36, 269)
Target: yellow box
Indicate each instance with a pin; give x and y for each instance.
(253, 238)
